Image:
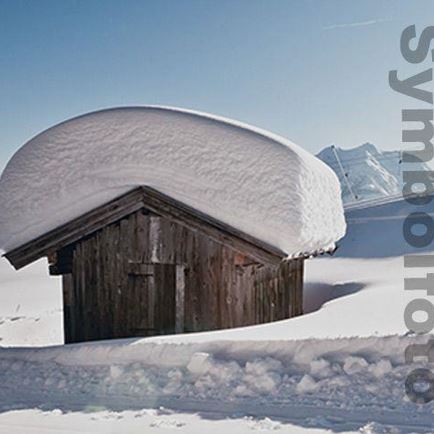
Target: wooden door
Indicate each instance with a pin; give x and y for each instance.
(152, 299)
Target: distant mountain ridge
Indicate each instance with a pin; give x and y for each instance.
(365, 172)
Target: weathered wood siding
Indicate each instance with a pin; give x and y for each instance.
(146, 275)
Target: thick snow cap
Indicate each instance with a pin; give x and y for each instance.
(253, 180)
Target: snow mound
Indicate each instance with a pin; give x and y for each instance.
(250, 179)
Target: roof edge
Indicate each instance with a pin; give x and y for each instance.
(128, 203)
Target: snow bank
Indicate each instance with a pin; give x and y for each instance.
(354, 376)
(257, 182)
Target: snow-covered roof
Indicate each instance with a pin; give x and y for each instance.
(255, 181)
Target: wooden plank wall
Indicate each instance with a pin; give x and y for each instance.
(114, 291)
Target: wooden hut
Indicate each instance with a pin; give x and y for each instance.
(145, 264)
(222, 247)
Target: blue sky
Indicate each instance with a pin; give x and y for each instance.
(313, 71)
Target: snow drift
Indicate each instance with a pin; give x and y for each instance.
(354, 380)
(255, 181)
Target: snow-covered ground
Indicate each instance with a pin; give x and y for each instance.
(30, 306)
(338, 368)
(149, 421)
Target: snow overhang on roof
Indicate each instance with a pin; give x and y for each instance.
(252, 180)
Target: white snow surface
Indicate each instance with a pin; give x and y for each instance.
(248, 178)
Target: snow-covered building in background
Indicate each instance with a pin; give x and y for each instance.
(367, 173)
(163, 220)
